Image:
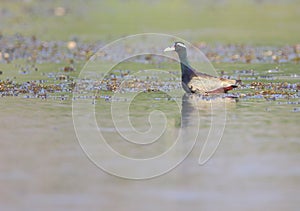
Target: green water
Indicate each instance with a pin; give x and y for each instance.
(227, 21)
(254, 167)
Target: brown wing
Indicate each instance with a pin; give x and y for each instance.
(204, 84)
(228, 82)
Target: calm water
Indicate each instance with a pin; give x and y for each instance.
(255, 167)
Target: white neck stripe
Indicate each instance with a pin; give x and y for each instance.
(180, 44)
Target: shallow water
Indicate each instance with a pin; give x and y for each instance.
(255, 166)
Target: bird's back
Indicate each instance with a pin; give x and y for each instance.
(203, 83)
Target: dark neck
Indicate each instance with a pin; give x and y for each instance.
(183, 58)
(186, 70)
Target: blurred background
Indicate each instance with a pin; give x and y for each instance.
(259, 22)
(45, 43)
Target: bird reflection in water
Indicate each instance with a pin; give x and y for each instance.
(205, 115)
(194, 105)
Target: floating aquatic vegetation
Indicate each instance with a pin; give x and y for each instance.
(276, 70)
(245, 72)
(296, 109)
(34, 51)
(37, 51)
(295, 76)
(267, 77)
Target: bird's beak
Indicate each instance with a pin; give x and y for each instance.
(169, 49)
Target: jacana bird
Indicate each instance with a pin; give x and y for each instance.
(197, 82)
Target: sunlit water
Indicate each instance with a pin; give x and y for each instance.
(255, 167)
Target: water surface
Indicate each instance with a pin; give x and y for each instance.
(255, 166)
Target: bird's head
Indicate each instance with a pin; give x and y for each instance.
(178, 47)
